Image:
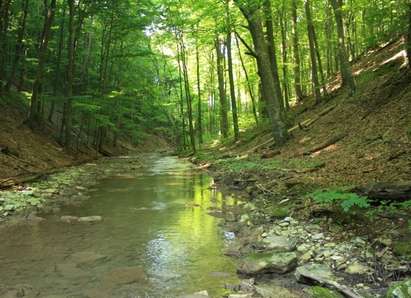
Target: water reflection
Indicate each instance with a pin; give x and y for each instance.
(156, 219)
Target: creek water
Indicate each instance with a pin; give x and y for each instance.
(156, 239)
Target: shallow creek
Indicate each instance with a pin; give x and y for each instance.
(155, 240)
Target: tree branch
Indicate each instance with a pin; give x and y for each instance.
(250, 52)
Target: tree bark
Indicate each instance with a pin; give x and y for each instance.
(314, 71)
(284, 52)
(296, 51)
(254, 16)
(188, 95)
(345, 68)
(409, 36)
(232, 88)
(42, 57)
(180, 76)
(19, 45)
(221, 88)
(199, 111)
(271, 50)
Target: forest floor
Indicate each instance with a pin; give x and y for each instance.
(27, 153)
(344, 144)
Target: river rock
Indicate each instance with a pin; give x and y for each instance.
(201, 294)
(123, 276)
(69, 219)
(87, 258)
(240, 295)
(90, 219)
(272, 290)
(322, 274)
(400, 289)
(278, 243)
(281, 262)
(19, 291)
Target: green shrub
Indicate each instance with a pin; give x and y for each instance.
(346, 200)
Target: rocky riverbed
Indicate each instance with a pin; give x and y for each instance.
(313, 258)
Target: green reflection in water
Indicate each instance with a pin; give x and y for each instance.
(156, 239)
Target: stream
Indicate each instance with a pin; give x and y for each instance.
(156, 238)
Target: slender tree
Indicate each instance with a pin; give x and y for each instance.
(296, 52)
(221, 88)
(345, 67)
(34, 116)
(311, 37)
(231, 75)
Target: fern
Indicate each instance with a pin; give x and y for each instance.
(346, 200)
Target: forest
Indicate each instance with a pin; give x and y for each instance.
(301, 108)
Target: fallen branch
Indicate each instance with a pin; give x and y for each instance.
(331, 141)
(385, 192)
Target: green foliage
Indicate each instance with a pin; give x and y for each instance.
(256, 164)
(320, 292)
(15, 201)
(346, 200)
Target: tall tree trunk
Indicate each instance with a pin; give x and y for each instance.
(42, 56)
(4, 24)
(296, 51)
(232, 88)
(188, 95)
(271, 50)
(199, 111)
(254, 18)
(314, 71)
(19, 45)
(284, 52)
(320, 66)
(345, 67)
(57, 72)
(221, 88)
(180, 76)
(70, 76)
(250, 88)
(409, 36)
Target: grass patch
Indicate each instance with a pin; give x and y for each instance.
(255, 164)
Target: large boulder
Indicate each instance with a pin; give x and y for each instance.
(258, 263)
(322, 275)
(400, 289)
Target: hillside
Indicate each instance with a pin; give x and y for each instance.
(353, 140)
(26, 153)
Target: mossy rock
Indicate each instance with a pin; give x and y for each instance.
(278, 212)
(403, 248)
(320, 292)
(400, 289)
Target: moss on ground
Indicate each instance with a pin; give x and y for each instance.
(320, 292)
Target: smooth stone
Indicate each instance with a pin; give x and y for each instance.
(257, 263)
(90, 219)
(240, 295)
(272, 289)
(201, 294)
(87, 258)
(69, 219)
(124, 276)
(278, 243)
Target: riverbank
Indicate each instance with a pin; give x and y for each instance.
(28, 154)
(336, 195)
